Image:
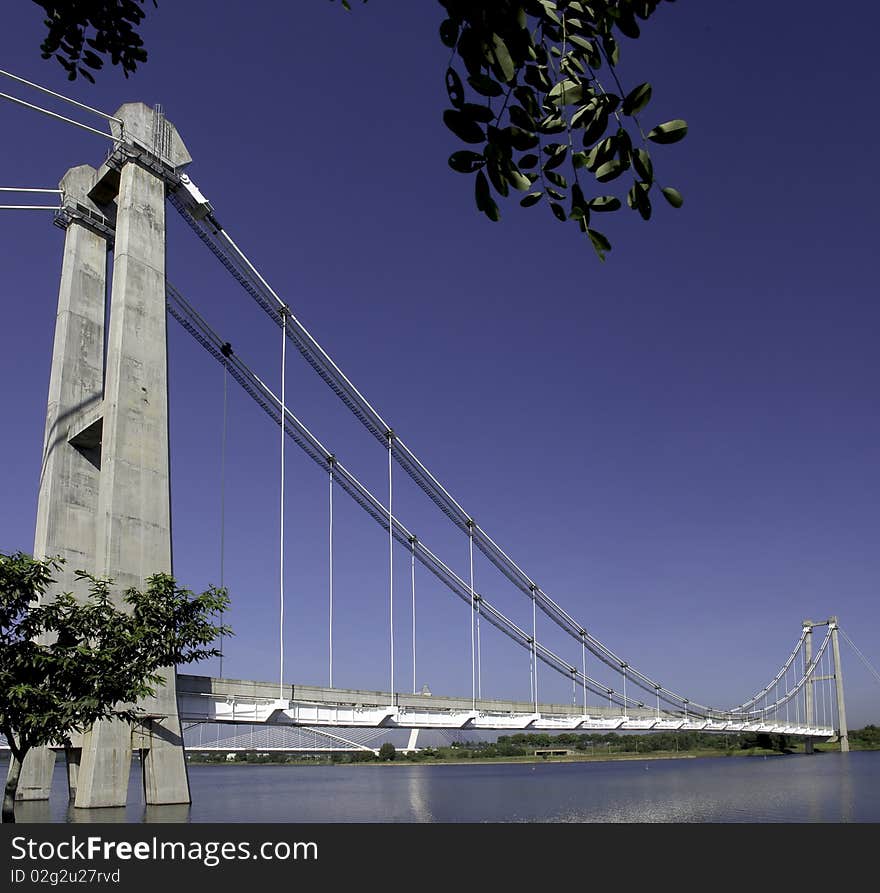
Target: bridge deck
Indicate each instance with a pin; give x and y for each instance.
(209, 699)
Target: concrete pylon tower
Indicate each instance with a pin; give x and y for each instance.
(104, 500)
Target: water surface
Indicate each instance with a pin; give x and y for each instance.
(828, 787)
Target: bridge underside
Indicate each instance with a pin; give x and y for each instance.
(209, 699)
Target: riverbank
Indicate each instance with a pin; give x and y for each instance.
(405, 760)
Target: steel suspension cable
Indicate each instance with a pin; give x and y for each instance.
(861, 656)
(62, 97)
(66, 120)
(281, 544)
(215, 237)
(756, 697)
(196, 326)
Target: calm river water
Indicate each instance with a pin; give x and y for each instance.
(822, 788)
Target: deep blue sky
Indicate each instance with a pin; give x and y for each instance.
(680, 445)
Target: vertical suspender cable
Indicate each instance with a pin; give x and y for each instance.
(479, 656)
(624, 692)
(787, 699)
(584, 661)
(826, 674)
(331, 573)
(535, 646)
(223, 499)
(470, 525)
(412, 570)
(281, 544)
(390, 435)
(531, 677)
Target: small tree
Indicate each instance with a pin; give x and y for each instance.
(387, 751)
(67, 663)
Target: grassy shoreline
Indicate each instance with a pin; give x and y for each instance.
(627, 756)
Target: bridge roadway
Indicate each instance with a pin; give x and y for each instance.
(209, 699)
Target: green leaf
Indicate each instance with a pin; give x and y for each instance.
(552, 124)
(669, 132)
(566, 92)
(673, 196)
(604, 203)
(557, 158)
(525, 95)
(527, 162)
(502, 58)
(556, 179)
(531, 199)
(637, 99)
(485, 202)
(579, 206)
(609, 170)
(627, 23)
(520, 117)
(536, 76)
(637, 199)
(612, 49)
(596, 128)
(497, 176)
(466, 162)
(454, 88)
(448, 33)
(463, 127)
(518, 181)
(641, 161)
(522, 140)
(558, 211)
(485, 86)
(478, 112)
(600, 243)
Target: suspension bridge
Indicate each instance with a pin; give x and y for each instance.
(104, 505)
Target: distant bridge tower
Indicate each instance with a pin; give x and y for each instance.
(104, 496)
(837, 676)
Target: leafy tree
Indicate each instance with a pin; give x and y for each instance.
(80, 32)
(533, 89)
(66, 663)
(387, 751)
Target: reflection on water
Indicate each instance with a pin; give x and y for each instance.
(822, 788)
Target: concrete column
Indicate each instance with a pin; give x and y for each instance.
(808, 686)
(134, 510)
(842, 731)
(68, 489)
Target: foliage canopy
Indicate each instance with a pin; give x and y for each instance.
(526, 98)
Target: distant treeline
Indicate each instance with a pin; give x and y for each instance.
(524, 744)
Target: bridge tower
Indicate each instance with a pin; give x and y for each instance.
(837, 676)
(104, 495)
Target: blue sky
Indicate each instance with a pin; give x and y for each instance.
(680, 445)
